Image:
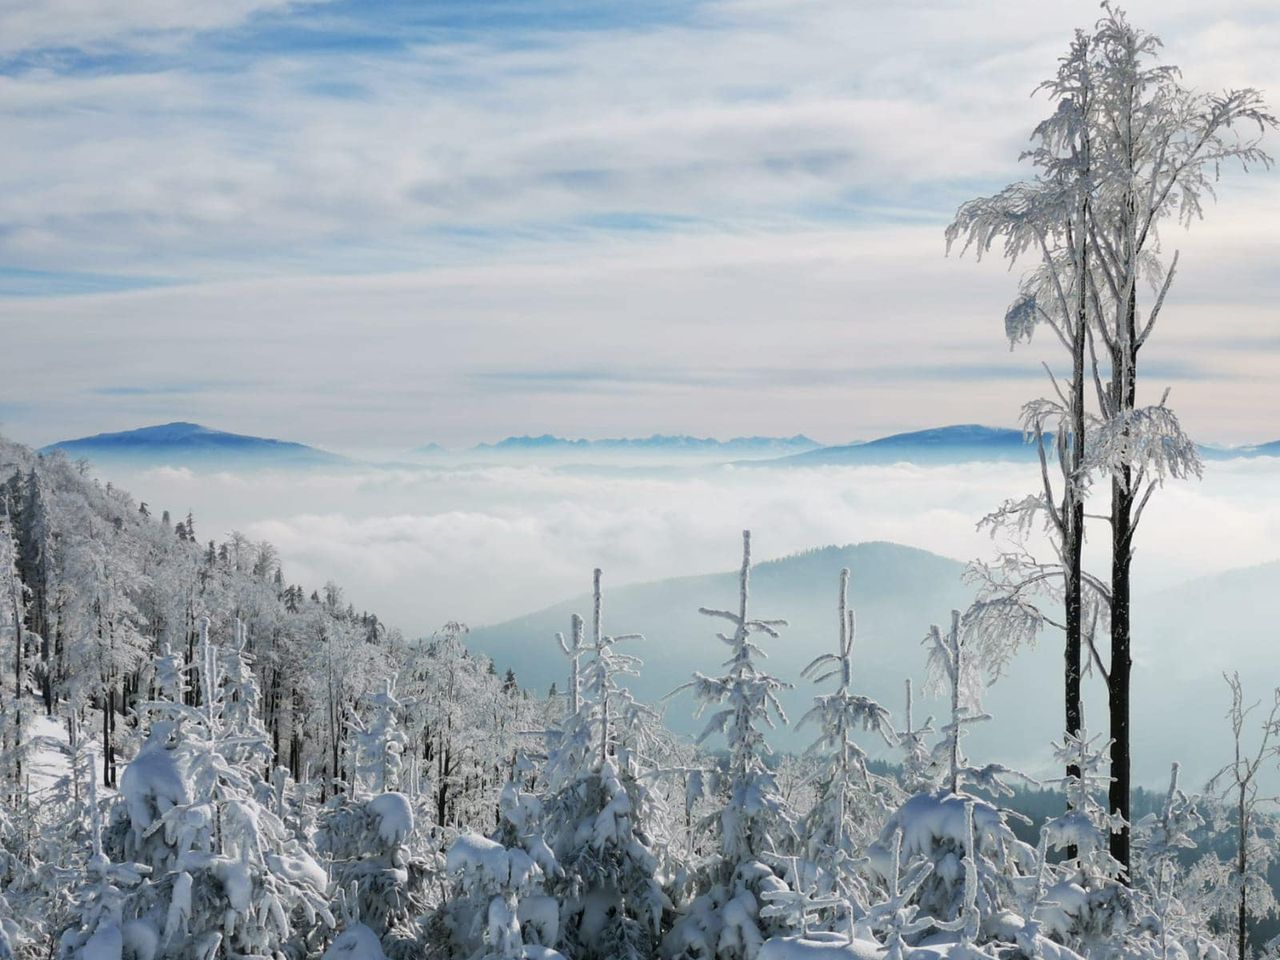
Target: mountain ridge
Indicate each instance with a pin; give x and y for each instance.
(655, 442)
(182, 441)
(955, 443)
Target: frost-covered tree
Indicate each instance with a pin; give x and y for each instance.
(13, 643)
(1247, 891)
(917, 758)
(601, 811)
(573, 649)
(966, 866)
(1157, 149)
(955, 671)
(1046, 220)
(851, 802)
(226, 872)
(753, 823)
(1128, 148)
(1178, 902)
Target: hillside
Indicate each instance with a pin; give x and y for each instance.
(897, 592)
(1184, 638)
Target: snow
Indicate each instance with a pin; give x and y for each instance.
(395, 818)
(820, 947)
(237, 884)
(928, 819)
(107, 943)
(542, 914)
(534, 952)
(356, 942)
(141, 940)
(299, 867)
(49, 759)
(480, 854)
(152, 784)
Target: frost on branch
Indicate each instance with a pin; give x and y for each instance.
(601, 813)
(753, 823)
(851, 802)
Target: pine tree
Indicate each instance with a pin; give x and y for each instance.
(851, 802)
(600, 813)
(754, 823)
(226, 871)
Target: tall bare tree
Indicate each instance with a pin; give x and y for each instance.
(1045, 220)
(1157, 149)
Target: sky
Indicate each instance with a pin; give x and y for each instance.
(371, 226)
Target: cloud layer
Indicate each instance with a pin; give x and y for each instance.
(481, 544)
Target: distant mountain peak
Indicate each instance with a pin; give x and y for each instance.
(181, 442)
(955, 443)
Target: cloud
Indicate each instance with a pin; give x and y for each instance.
(834, 333)
(88, 25)
(482, 544)
(737, 115)
(169, 389)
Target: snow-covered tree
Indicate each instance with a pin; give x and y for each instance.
(102, 928)
(1247, 891)
(1047, 220)
(851, 801)
(601, 810)
(501, 910)
(1157, 149)
(379, 742)
(753, 823)
(384, 888)
(226, 872)
(1085, 904)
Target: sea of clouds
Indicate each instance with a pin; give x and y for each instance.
(483, 543)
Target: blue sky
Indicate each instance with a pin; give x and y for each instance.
(379, 224)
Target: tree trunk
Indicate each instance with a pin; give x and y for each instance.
(1073, 518)
(1121, 667)
(46, 684)
(1242, 864)
(106, 739)
(1122, 503)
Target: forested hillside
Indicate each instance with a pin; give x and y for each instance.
(105, 585)
(128, 637)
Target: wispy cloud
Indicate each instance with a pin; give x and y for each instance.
(170, 389)
(17, 282)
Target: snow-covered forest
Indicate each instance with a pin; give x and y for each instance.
(202, 759)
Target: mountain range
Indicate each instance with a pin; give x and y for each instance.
(548, 444)
(183, 443)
